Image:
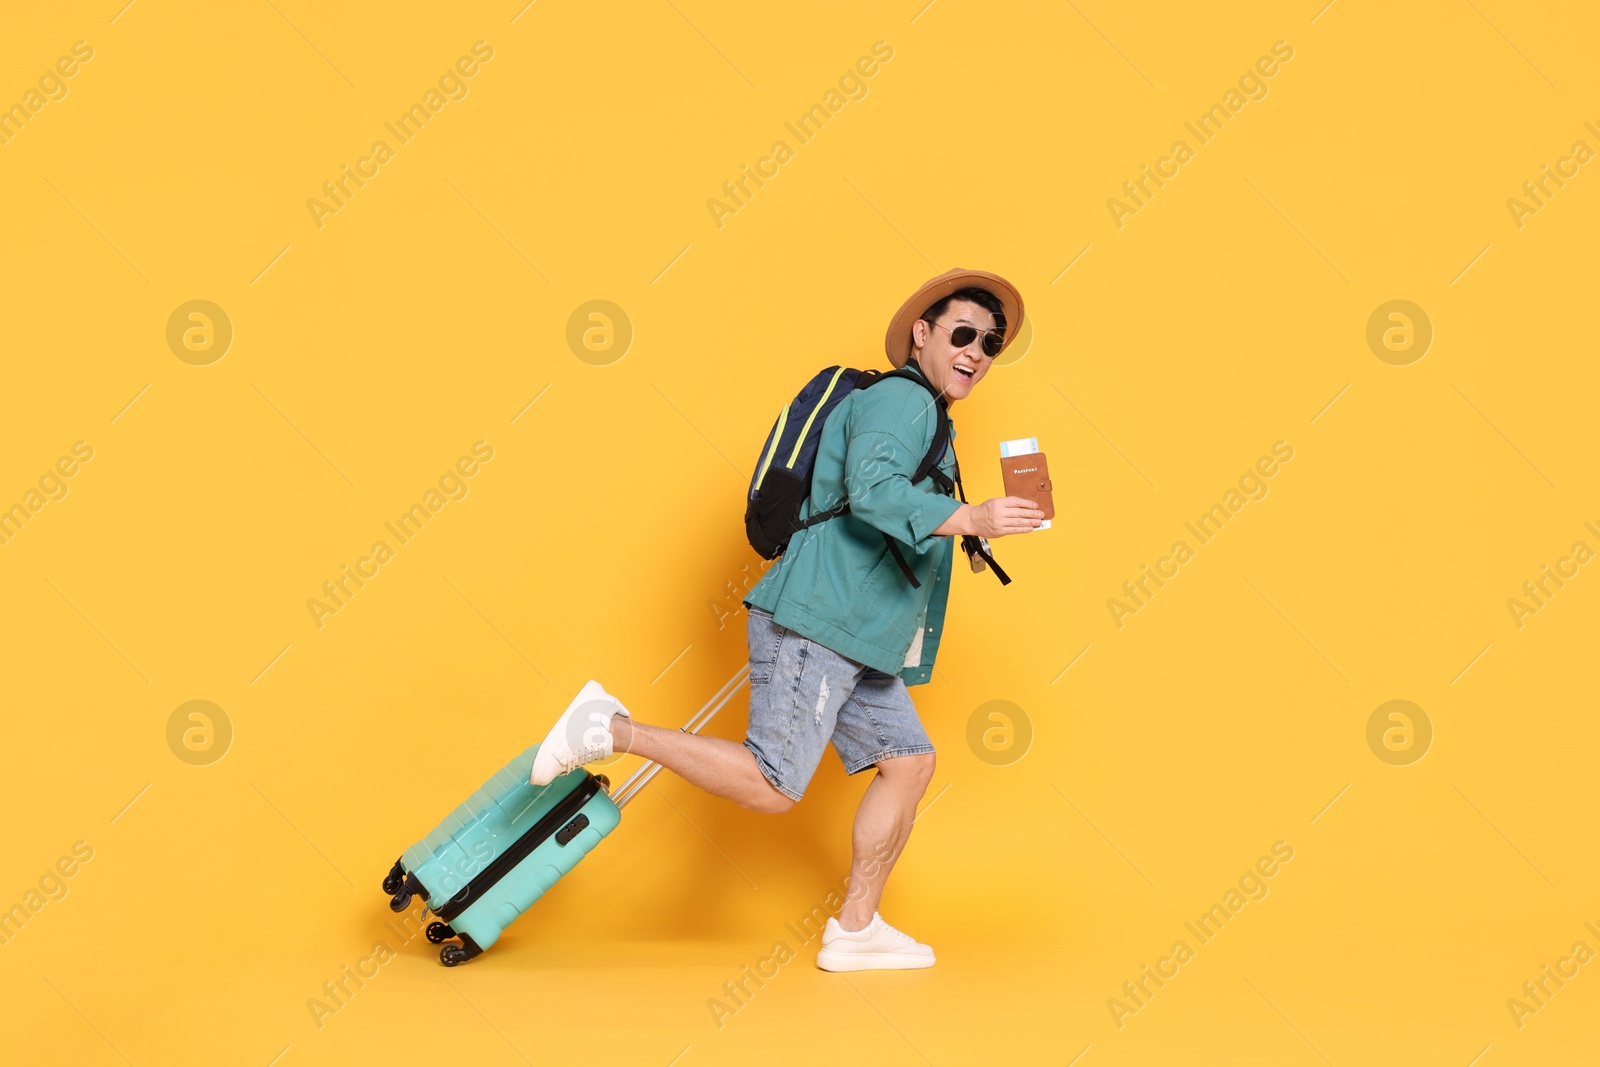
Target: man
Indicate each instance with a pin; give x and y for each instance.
(836, 631)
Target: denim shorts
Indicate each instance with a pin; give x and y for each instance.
(803, 695)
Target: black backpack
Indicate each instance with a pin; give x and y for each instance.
(782, 479)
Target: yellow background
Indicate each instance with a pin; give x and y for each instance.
(432, 309)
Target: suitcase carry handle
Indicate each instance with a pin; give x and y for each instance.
(647, 770)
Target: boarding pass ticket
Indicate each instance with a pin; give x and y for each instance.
(1020, 447)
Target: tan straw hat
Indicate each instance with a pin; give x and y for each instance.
(897, 342)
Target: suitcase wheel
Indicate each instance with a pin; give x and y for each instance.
(451, 955)
(402, 898)
(439, 933)
(394, 879)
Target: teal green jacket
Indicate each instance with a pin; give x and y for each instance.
(837, 583)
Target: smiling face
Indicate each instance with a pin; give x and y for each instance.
(945, 365)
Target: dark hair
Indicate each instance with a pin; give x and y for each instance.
(982, 297)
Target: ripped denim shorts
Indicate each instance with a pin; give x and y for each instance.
(803, 695)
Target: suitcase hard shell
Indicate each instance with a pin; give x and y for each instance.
(498, 853)
(502, 849)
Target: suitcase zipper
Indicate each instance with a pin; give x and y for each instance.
(520, 850)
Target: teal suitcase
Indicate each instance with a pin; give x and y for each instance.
(501, 850)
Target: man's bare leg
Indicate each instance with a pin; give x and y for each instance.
(721, 767)
(882, 827)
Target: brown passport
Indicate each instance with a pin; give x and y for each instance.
(1028, 475)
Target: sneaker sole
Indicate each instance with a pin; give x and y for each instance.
(541, 774)
(871, 961)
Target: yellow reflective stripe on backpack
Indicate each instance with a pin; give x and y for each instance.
(798, 441)
(783, 416)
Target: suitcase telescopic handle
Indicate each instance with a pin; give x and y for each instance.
(647, 770)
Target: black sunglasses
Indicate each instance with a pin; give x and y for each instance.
(961, 337)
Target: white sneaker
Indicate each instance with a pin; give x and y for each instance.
(581, 735)
(876, 946)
